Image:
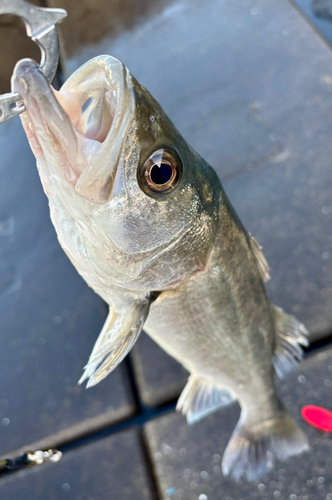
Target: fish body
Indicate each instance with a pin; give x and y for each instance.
(146, 222)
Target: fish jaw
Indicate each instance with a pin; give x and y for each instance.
(77, 149)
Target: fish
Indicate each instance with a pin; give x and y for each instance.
(147, 224)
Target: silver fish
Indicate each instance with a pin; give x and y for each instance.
(146, 222)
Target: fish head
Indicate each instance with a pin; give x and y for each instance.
(133, 204)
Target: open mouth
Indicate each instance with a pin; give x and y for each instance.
(101, 92)
(81, 128)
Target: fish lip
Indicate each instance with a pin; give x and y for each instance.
(19, 80)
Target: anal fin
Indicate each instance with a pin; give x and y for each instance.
(291, 335)
(200, 397)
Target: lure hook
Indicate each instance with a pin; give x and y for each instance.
(40, 26)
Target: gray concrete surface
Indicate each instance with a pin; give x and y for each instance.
(112, 468)
(249, 84)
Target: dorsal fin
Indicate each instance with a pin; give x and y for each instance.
(200, 397)
(261, 261)
(291, 335)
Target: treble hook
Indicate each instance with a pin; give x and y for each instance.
(40, 26)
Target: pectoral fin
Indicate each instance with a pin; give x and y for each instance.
(116, 339)
(200, 397)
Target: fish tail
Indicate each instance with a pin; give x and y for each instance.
(254, 446)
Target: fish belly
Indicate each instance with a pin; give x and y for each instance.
(218, 333)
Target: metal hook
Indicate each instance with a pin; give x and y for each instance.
(28, 459)
(40, 26)
(39, 457)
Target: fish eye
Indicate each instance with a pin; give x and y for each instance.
(161, 172)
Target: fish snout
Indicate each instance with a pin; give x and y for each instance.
(49, 129)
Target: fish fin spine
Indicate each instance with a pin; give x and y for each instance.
(291, 336)
(199, 398)
(252, 449)
(261, 262)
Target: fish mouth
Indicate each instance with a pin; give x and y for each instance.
(79, 131)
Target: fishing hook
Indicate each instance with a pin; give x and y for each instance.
(40, 26)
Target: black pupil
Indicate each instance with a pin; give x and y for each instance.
(161, 174)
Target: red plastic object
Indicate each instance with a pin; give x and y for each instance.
(317, 417)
